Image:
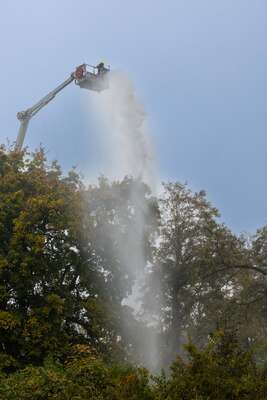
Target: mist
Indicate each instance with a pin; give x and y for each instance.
(126, 147)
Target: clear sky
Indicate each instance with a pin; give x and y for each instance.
(200, 68)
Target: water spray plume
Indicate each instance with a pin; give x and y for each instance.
(129, 150)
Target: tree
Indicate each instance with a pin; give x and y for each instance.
(198, 264)
(222, 370)
(62, 279)
(49, 279)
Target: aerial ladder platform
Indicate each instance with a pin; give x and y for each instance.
(86, 76)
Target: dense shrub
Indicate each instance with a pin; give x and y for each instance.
(221, 371)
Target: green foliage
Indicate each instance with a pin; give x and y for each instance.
(64, 271)
(40, 229)
(208, 277)
(85, 376)
(61, 280)
(221, 371)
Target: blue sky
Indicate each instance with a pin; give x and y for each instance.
(198, 66)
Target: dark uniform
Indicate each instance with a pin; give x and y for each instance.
(101, 68)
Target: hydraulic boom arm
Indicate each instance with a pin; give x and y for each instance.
(95, 80)
(25, 116)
